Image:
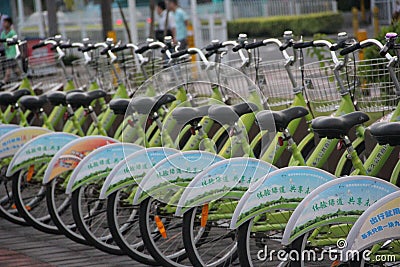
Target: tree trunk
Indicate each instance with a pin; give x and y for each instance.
(52, 17)
(106, 17)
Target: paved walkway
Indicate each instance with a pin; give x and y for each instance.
(25, 246)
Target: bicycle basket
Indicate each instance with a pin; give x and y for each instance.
(375, 90)
(235, 79)
(322, 87)
(273, 80)
(45, 72)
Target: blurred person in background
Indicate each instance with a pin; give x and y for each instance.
(2, 16)
(181, 23)
(166, 22)
(10, 51)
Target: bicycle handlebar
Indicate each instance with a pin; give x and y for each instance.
(104, 51)
(180, 53)
(301, 45)
(214, 46)
(87, 48)
(350, 49)
(254, 45)
(238, 47)
(119, 48)
(286, 45)
(143, 49)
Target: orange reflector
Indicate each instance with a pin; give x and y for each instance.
(29, 175)
(160, 226)
(204, 215)
(335, 263)
(28, 208)
(13, 206)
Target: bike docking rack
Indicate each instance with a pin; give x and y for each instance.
(189, 176)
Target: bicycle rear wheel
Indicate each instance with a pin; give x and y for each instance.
(257, 235)
(29, 195)
(325, 237)
(90, 216)
(167, 250)
(8, 210)
(59, 207)
(123, 220)
(206, 234)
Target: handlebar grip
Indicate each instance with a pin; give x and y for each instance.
(65, 46)
(12, 43)
(3, 40)
(385, 49)
(318, 45)
(164, 50)
(335, 47)
(179, 53)
(212, 47)
(119, 48)
(285, 45)
(254, 45)
(87, 48)
(350, 49)
(209, 54)
(142, 49)
(38, 45)
(104, 51)
(303, 45)
(237, 47)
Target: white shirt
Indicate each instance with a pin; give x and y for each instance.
(163, 17)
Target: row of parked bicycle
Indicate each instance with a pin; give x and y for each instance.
(211, 162)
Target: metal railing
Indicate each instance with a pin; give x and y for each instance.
(261, 8)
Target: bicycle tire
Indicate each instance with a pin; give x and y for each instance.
(150, 237)
(302, 243)
(249, 245)
(8, 210)
(202, 258)
(29, 197)
(62, 217)
(123, 237)
(85, 222)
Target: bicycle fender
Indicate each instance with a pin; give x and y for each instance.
(228, 177)
(172, 174)
(5, 128)
(68, 157)
(281, 189)
(98, 164)
(39, 150)
(14, 139)
(131, 170)
(378, 223)
(341, 200)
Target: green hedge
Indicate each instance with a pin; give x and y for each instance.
(308, 25)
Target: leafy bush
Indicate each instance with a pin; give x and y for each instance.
(327, 22)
